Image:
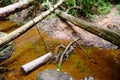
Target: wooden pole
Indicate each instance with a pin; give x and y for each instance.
(11, 36)
(26, 68)
(106, 34)
(16, 7)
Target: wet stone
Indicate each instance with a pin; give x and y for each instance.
(53, 75)
(6, 50)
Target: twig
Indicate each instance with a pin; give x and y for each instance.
(59, 53)
(74, 7)
(83, 50)
(45, 45)
(67, 48)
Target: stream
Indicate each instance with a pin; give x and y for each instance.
(104, 64)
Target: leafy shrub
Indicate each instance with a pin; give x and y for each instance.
(89, 7)
(118, 7)
(103, 7)
(5, 3)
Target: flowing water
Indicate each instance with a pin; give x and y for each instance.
(102, 65)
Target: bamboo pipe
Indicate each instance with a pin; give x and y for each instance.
(28, 67)
(16, 7)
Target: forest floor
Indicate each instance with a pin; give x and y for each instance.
(62, 30)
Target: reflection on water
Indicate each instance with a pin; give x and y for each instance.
(88, 78)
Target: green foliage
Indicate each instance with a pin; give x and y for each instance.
(86, 6)
(70, 3)
(46, 4)
(89, 7)
(103, 7)
(11, 18)
(5, 2)
(118, 7)
(67, 4)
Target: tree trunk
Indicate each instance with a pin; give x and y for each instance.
(92, 28)
(6, 11)
(11, 36)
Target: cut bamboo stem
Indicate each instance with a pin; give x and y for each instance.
(28, 67)
(16, 7)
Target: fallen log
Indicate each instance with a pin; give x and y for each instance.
(11, 36)
(26, 68)
(106, 34)
(16, 7)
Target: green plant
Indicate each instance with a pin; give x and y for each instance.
(118, 7)
(86, 6)
(5, 2)
(47, 4)
(103, 7)
(11, 18)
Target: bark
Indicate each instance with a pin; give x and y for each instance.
(11, 36)
(106, 34)
(6, 11)
(28, 67)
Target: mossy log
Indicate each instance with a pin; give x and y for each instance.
(11, 36)
(106, 34)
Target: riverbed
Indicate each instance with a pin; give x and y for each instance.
(104, 64)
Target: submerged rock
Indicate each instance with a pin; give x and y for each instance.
(88, 78)
(6, 50)
(53, 75)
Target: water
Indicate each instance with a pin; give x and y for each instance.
(88, 78)
(103, 65)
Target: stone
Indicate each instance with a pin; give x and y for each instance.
(53, 75)
(6, 50)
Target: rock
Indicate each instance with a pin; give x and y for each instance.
(88, 78)
(53, 75)
(2, 78)
(6, 50)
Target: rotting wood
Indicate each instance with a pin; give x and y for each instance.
(11, 36)
(16, 7)
(106, 34)
(28, 67)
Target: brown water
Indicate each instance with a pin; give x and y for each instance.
(103, 65)
(7, 26)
